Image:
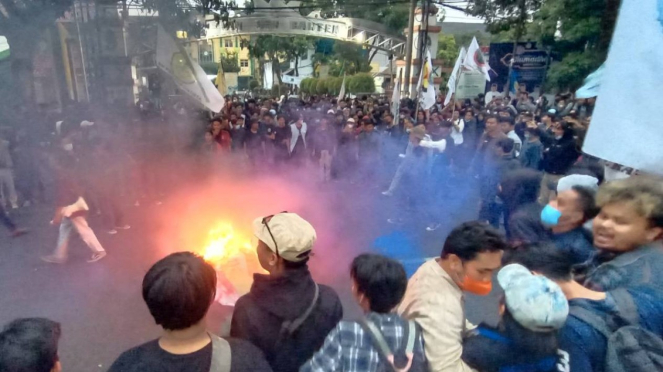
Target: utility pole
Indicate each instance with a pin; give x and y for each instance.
(520, 27)
(408, 47)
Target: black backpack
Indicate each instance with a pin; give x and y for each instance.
(401, 360)
(629, 346)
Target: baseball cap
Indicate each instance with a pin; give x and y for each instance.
(330, 111)
(293, 235)
(351, 120)
(535, 302)
(566, 183)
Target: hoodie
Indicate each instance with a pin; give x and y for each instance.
(560, 155)
(259, 315)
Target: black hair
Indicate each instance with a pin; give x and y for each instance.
(535, 344)
(533, 131)
(446, 124)
(382, 280)
(29, 345)
(506, 119)
(520, 187)
(587, 201)
(544, 258)
(489, 116)
(253, 121)
(179, 289)
(281, 117)
(292, 265)
(506, 144)
(471, 238)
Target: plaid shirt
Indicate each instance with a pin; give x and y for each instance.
(348, 348)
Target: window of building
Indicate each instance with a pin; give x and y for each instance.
(228, 43)
(243, 63)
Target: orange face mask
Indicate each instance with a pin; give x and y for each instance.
(475, 286)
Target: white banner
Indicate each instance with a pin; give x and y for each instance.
(188, 75)
(268, 76)
(470, 85)
(625, 127)
(291, 25)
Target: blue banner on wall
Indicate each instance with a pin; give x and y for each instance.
(529, 65)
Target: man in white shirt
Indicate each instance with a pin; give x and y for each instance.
(434, 295)
(508, 127)
(492, 94)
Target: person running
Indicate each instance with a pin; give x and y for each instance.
(71, 209)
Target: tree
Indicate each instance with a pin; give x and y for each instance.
(299, 47)
(269, 48)
(577, 32)
(447, 50)
(23, 24)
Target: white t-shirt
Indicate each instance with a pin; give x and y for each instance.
(490, 95)
(457, 134)
(518, 142)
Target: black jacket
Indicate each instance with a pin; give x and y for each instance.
(259, 315)
(491, 354)
(560, 155)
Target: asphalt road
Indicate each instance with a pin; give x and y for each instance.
(100, 306)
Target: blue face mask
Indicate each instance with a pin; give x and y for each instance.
(550, 216)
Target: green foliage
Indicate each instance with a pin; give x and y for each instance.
(230, 63)
(305, 85)
(253, 84)
(278, 90)
(360, 83)
(321, 86)
(348, 58)
(447, 50)
(577, 32)
(334, 85)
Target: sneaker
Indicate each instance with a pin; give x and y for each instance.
(18, 232)
(14, 206)
(387, 193)
(112, 231)
(394, 221)
(97, 256)
(123, 227)
(53, 259)
(433, 226)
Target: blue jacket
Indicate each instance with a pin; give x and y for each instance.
(587, 346)
(643, 265)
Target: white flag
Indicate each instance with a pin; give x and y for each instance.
(396, 101)
(188, 75)
(632, 79)
(426, 86)
(451, 84)
(475, 60)
(341, 93)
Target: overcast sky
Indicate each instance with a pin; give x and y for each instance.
(457, 16)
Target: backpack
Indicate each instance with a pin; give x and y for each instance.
(560, 362)
(395, 361)
(629, 346)
(221, 354)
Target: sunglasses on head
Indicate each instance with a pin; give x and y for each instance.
(265, 221)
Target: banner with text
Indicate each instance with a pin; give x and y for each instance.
(470, 84)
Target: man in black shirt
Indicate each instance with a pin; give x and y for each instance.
(254, 145)
(178, 291)
(282, 137)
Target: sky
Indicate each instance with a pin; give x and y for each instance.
(457, 16)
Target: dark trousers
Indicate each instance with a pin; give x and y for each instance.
(5, 220)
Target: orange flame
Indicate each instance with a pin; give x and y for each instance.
(234, 260)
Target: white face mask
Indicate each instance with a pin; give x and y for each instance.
(68, 147)
(558, 137)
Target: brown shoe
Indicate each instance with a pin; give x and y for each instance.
(18, 232)
(97, 256)
(53, 259)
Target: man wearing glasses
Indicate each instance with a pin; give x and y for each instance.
(286, 314)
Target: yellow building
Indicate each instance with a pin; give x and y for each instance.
(207, 52)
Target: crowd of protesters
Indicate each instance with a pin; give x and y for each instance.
(555, 314)
(576, 263)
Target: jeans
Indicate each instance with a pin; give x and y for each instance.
(87, 235)
(7, 182)
(5, 220)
